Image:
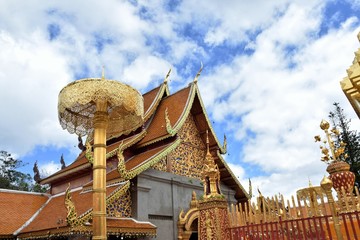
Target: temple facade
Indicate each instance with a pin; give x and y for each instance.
(153, 175)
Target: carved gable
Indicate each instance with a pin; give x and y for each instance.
(188, 158)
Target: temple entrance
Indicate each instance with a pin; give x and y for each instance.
(194, 236)
(188, 228)
(194, 229)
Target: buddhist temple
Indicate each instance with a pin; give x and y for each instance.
(153, 173)
(351, 83)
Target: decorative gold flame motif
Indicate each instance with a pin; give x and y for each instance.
(337, 152)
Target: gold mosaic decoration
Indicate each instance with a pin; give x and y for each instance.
(120, 207)
(188, 158)
(120, 191)
(161, 165)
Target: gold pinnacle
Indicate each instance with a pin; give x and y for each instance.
(199, 72)
(167, 76)
(103, 73)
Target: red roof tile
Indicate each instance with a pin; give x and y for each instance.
(175, 104)
(17, 207)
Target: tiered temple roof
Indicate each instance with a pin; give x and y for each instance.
(146, 147)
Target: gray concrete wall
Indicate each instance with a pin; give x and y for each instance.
(158, 197)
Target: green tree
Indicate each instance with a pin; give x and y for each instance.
(10, 177)
(350, 137)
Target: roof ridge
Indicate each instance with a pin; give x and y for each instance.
(24, 192)
(222, 148)
(153, 106)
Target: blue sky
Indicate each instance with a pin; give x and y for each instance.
(271, 73)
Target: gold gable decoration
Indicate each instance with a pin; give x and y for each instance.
(188, 158)
(161, 165)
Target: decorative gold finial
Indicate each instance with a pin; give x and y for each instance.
(326, 183)
(324, 125)
(198, 74)
(337, 152)
(103, 73)
(225, 144)
(250, 188)
(310, 184)
(167, 76)
(358, 36)
(169, 128)
(207, 141)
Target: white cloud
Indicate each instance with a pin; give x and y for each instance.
(279, 96)
(32, 74)
(48, 169)
(145, 70)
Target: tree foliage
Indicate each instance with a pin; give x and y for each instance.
(11, 178)
(350, 137)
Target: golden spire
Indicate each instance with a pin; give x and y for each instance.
(199, 72)
(103, 73)
(167, 76)
(211, 173)
(250, 188)
(207, 142)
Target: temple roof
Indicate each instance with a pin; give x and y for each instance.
(26, 204)
(165, 114)
(53, 215)
(51, 219)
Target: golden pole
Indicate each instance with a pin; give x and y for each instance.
(327, 184)
(77, 115)
(99, 171)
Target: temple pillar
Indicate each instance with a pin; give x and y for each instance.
(213, 219)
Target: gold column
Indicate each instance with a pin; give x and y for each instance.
(99, 171)
(326, 184)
